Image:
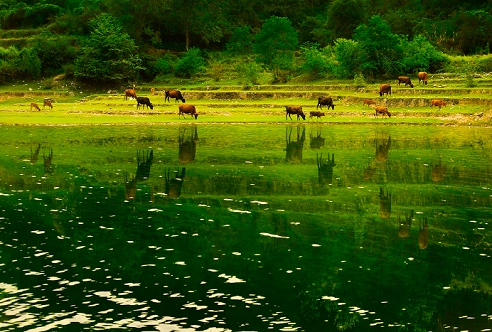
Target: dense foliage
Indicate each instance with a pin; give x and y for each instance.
(336, 38)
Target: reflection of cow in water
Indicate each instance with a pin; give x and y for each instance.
(384, 204)
(47, 161)
(187, 148)
(144, 162)
(423, 235)
(325, 169)
(382, 148)
(34, 155)
(438, 171)
(405, 225)
(294, 149)
(316, 142)
(174, 185)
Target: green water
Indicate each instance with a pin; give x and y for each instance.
(245, 228)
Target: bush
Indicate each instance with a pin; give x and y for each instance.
(249, 72)
(191, 64)
(421, 55)
(241, 41)
(314, 63)
(359, 80)
(348, 57)
(54, 51)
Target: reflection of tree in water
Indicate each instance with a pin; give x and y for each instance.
(187, 147)
(144, 162)
(384, 203)
(294, 148)
(325, 168)
(174, 185)
(405, 226)
(423, 234)
(316, 142)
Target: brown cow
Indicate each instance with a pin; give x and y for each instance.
(406, 80)
(47, 102)
(130, 93)
(35, 106)
(297, 110)
(316, 114)
(368, 102)
(438, 102)
(176, 94)
(187, 109)
(328, 101)
(382, 110)
(384, 88)
(423, 77)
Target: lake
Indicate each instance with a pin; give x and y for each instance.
(245, 227)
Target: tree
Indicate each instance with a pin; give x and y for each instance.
(275, 44)
(109, 54)
(381, 50)
(344, 16)
(241, 41)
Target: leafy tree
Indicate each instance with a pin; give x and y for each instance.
(348, 56)
(345, 15)
(381, 50)
(421, 55)
(241, 41)
(315, 63)
(54, 51)
(191, 64)
(109, 53)
(275, 44)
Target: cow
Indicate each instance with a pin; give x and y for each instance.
(176, 94)
(381, 110)
(438, 102)
(384, 88)
(297, 110)
(47, 102)
(130, 93)
(423, 77)
(368, 102)
(406, 80)
(328, 101)
(144, 101)
(35, 106)
(316, 114)
(187, 109)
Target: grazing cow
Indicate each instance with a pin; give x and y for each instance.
(368, 102)
(328, 101)
(406, 80)
(130, 93)
(35, 106)
(176, 94)
(384, 204)
(423, 77)
(47, 102)
(438, 102)
(423, 235)
(316, 114)
(384, 88)
(382, 110)
(297, 110)
(187, 109)
(144, 101)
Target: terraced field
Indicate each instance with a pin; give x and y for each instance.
(259, 104)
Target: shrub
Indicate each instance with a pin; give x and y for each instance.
(348, 57)
(191, 64)
(359, 80)
(241, 41)
(421, 55)
(314, 62)
(249, 72)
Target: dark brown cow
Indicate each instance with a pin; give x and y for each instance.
(381, 110)
(35, 106)
(406, 80)
(368, 102)
(316, 114)
(297, 110)
(130, 93)
(423, 235)
(384, 88)
(47, 102)
(384, 204)
(144, 101)
(176, 94)
(405, 226)
(438, 102)
(328, 101)
(187, 109)
(423, 77)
